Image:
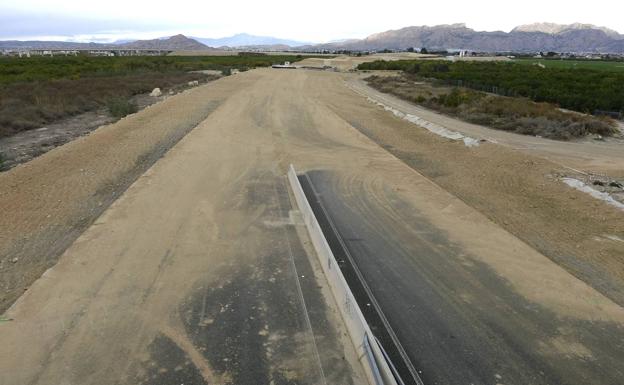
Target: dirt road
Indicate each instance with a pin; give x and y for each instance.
(188, 276)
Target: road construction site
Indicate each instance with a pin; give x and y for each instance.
(168, 247)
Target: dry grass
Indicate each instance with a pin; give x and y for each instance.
(25, 106)
(519, 115)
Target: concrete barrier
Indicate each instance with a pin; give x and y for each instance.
(369, 352)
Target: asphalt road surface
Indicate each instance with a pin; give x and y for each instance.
(188, 277)
(459, 321)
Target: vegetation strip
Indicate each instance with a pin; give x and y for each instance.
(518, 115)
(579, 89)
(40, 90)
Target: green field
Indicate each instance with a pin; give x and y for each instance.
(615, 66)
(14, 70)
(581, 89)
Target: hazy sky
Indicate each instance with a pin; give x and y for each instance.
(314, 21)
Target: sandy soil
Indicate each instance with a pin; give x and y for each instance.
(188, 277)
(49, 201)
(29, 144)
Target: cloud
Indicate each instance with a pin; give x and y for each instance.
(20, 25)
(321, 20)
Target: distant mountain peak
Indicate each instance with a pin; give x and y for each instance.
(248, 40)
(554, 29)
(175, 43)
(578, 38)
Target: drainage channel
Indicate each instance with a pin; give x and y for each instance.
(363, 295)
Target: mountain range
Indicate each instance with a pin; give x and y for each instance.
(176, 43)
(526, 38)
(579, 38)
(247, 40)
(173, 43)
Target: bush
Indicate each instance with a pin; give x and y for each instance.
(119, 107)
(227, 71)
(40, 90)
(25, 106)
(579, 89)
(20, 70)
(519, 115)
(413, 68)
(457, 97)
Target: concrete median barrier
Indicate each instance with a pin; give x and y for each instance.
(371, 356)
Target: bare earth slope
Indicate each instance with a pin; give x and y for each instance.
(49, 201)
(190, 276)
(187, 277)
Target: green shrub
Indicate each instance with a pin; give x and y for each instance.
(580, 89)
(413, 68)
(39, 90)
(227, 71)
(119, 107)
(19, 70)
(519, 115)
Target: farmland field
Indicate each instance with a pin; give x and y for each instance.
(614, 66)
(13, 70)
(583, 90)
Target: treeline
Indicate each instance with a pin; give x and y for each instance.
(16, 70)
(40, 90)
(583, 90)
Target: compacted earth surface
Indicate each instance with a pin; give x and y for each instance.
(26, 145)
(166, 247)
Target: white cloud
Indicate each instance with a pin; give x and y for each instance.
(317, 21)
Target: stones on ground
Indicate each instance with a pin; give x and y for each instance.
(616, 184)
(587, 188)
(156, 92)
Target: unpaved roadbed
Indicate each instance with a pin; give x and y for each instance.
(187, 277)
(48, 202)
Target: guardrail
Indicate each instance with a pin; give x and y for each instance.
(377, 368)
